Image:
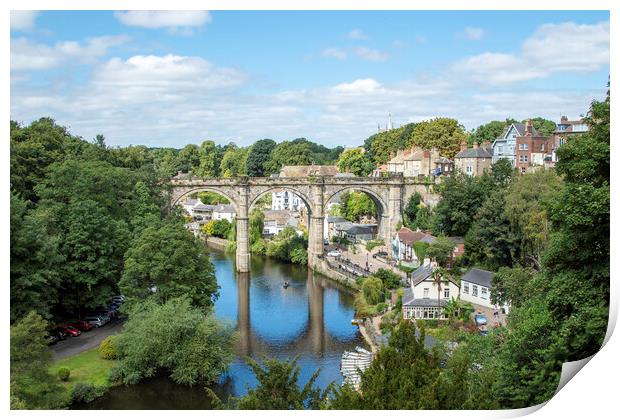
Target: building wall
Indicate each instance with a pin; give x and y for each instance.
(466, 294)
(418, 290)
(477, 165)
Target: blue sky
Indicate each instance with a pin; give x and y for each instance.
(172, 78)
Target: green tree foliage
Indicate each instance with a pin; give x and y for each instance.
(355, 205)
(389, 279)
(514, 286)
(257, 225)
(278, 387)
(208, 197)
(444, 134)
(33, 149)
(372, 288)
(108, 348)
(188, 159)
(487, 132)
(287, 245)
(543, 126)
(32, 386)
(260, 153)
(411, 209)
(440, 250)
(173, 261)
(490, 241)
(300, 152)
(355, 161)
(210, 157)
(34, 263)
(175, 337)
(234, 161)
(527, 201)
(218, 228)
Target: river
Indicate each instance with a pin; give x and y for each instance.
(310, 319)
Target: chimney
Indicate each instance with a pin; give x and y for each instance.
(463, 146)
(427, 262)
(486, 144)
(564, 119)
(528, 127)
(391, 155)
(475, 145)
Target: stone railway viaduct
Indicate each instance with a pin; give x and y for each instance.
(388, 193)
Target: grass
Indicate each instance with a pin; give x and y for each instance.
(85, 367)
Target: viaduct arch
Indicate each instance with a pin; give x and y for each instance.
(388, 193)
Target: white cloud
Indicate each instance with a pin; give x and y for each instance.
(370, 55)
(552, 48)
(357, 34)
(334, 53)
(154, 19)
(358, 86)
(27, 55)
(473, 33)
(23, 20)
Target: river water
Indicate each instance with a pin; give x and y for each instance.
(310, 319)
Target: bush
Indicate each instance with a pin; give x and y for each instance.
(381, 307)
(84, 393)
(63, 373)
(107, 348)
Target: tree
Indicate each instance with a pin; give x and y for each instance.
(514, 286)
(176, 337)
(490, 241)
(210, 155)
(356, 205)
(278, 387)
(188, 158)
(258, 156)
(543, 126)
(411, 210)
(527, 202)
(502, 172)
(257, 224)
(444, 134)
(440, 250)
(487, 132)
(457, 309)
(169, 262)
(218, 228)
(372, 288)
(355, 161)
(32, 386)
(34, 263)
(234, 161)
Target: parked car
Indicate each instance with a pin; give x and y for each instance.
(71, 331)
(334, 253)
(118, 298)
(381, 254)
(95, 320)
(480, 319)
(81, 325)
(55, 335)
(483, 330)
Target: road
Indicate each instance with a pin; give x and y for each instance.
(362, 256)
(86, 341)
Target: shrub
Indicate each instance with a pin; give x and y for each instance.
(63, 373)
(84, 393)
(107, 348)
(381, 307)
(372, 288)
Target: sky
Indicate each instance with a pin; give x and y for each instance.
(169, 78)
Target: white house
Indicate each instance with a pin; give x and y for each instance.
(424, 299)
(189, 205)
(402, 244)
(223, 211)
(286, 200)
(476, 287)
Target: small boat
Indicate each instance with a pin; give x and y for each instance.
(356, 321)
(286, 284)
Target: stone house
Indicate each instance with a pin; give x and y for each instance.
(474, 161)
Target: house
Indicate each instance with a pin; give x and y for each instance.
(202, 212)
(424, 299)
(415, 162)
(505, 147)
(275, 221)
(403, 244)
(565, 129)
(285, 200)
(223, 212)
(476, 286)
(532, 149)
(459, 248)
(330, 224)
(356, 232)
(189, 204)
(474, 161)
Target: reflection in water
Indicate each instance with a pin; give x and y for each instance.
(310, 319)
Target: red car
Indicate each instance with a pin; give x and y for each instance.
(80, 325)
(72, 331)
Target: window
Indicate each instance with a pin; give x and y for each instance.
(499, 149)
(525, 146)
(466, 288)
(469, 169)
(484, 292)
(474, 290)
(520, 146)
(446, 293)
(524, 158)
(522, 170)
(426, 292)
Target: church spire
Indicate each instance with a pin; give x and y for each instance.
(390, 126)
